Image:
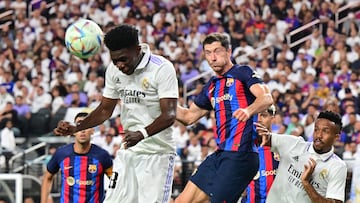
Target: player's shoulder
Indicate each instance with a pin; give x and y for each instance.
(290, 139)
(65, 148)
(337, 161)
(243, 71)
(159, 61)
(97, 150)
(111, 69)
(241, 68)
(64, 151)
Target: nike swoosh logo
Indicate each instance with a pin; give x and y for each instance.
(67, 167)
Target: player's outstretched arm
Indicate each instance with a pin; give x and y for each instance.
(96, 117)
(188, 116)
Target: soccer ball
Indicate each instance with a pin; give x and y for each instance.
(83, 38)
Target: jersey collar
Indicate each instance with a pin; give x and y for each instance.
(145, 60)
(324, 157)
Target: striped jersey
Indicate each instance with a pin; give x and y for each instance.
(225, 94)
(81, 174)
(258, 188)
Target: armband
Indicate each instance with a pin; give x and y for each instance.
(144, 133)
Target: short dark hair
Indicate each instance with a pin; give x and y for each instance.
(331, 116)
(121, 37)
(217, 37)
(81, 114)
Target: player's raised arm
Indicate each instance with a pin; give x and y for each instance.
(96, 117)
(188, 116)
(262, 102)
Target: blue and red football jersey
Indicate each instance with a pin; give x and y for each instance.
(82, 174)
(259, 187)
(225, 94)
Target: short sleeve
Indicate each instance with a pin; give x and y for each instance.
(246, 75)
(167, 81)
(110, 90)
(336, 184)
(53, 165)
(107, 160)
(281, 144)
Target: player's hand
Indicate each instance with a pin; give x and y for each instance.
(308, 170)
(64, 128)
(241, 114)
(263, 132)
(132, 138)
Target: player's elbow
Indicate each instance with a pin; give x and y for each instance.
(170, 119)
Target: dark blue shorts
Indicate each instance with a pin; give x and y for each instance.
(224, 175)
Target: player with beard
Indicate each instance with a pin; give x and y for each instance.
(235, 94)
(146, 87)
(308, 171)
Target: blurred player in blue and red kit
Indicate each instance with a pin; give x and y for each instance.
(82, 165)
(259, 187)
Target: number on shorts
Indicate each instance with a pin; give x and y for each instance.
(113, 180)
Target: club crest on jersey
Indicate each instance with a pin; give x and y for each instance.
(323, 174)
(229, 82)
(70, 181)
(92, 168)
(145, 83)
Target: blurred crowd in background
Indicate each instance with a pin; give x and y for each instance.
(40, 80)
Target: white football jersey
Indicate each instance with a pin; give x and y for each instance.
(328, 178)
(140, 93)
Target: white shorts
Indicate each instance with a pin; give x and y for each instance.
(141, 178)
